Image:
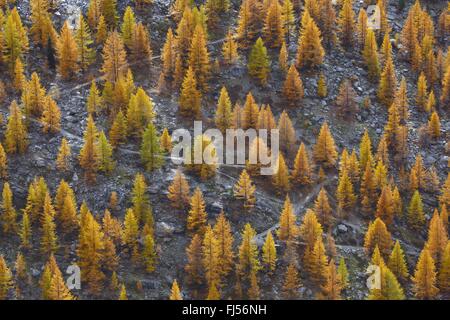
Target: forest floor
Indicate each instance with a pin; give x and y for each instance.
(171, 236)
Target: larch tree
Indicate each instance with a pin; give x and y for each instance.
(250, 113)
(224, 236)
(281, 177)
(41, 21)
(128, 26)
(431, 102)
(444, 199)
(322, 208)
(33, 96)
(102, 31)
(105, 154)
(244, 189)
(325, 150)
(345, 192)
(288, 229)
(322, 90)
(317, 262)
(178, 191)
(365, 150)
(207, 168)
(248, 23)
(415, 216)
(6, 279)
(445, 95)
(331, 290)
(19, 79)
(151, 154)
(444, 270)
(378, 235)
(229, 49)
(198, 58)
(346, 100)
(388, 83)
(210, 251)
(347, 23)
(68, 53)
(197, 215)
(288, 18)
(370, 54)
(94, 100)
(421, 96)
(49, 240)
(166, 141)
(286, 133)
(8, 215)
(194, 267)
(258, 62)
(16, 140)
(385, 205)
(141, 51)
(15, 41)
(89, 153)
(343, 273)
(114, 57)
(389, 289)
(63, 157)
(51, 116)
(302, 172)
(223, 117)
(253, 292)
(361, 28)
(310, 52)
(175, 293)
(425, 277)
(269, 253)
(293, 87)
(130, 234)
(83, 39)
(248, 253)
(168, 56)
(3, 163)
(273, 25)
(437, 237)
(190, 96)
(142, 208)
(283, 57)
(327, 23)
(310, 230)
(108, 8)
(149, 254)
(397, 262)
(291, 282)
(93, 13)
(90, 253)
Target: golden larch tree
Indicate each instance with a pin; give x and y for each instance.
(114, 57)
(293, 87)
(197, 215)
(179, 191)
(325, 150)
(424, 278)
(269, 253)
(244, 189)
(224, 236)
(16, 140)
(310, 52)
(68, 53)
(89, 153)
(288, 229)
